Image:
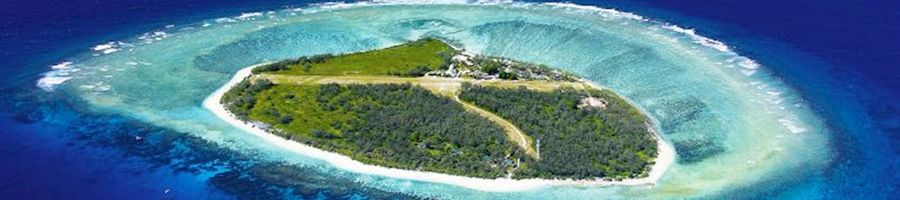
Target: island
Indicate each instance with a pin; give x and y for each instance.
(426, 106)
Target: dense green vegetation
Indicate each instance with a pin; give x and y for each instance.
(242, 97)
(408, 127)
(394, 125)
(575, 141)
(402, 59)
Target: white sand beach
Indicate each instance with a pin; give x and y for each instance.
(665, 157)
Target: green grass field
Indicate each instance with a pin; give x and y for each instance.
(391, 60)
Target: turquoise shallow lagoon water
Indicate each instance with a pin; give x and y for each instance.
(732, 122)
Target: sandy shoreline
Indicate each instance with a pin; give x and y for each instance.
(665, 157)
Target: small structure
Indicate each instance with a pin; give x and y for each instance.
(462, 58)
(595, 102)
(260, 125)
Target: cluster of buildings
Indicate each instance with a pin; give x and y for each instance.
(468, 65)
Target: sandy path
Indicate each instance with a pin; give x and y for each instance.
(512, 132)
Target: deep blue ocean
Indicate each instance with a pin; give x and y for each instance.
(842, 56)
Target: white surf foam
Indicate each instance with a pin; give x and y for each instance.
(791, 125)
(606, 12)
(109, 47)
(47, 83)
(225, 20)
(705, 41)
(58, 75)
(248, 16)
(154, 36)
(61, 66)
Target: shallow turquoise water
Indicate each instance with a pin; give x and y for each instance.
(733, 124)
